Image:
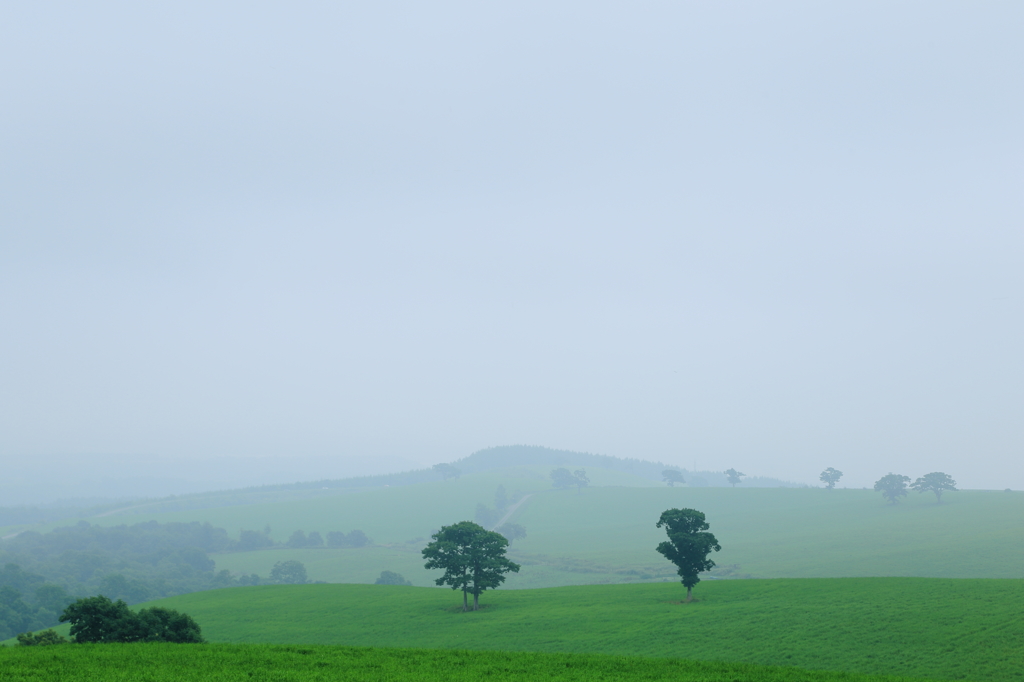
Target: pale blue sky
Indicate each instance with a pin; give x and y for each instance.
(773, 236)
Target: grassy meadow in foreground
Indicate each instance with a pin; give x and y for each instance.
(228, 663)
(933, 628)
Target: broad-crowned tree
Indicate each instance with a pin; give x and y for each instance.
(472, 558)
(688, 544)
(937, 482)
(734, 476)
(892, 486)
(672, 476)
(290, 572)
(562, 478)
(830, 477)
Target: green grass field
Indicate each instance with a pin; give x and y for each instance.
(608, 534)
(265, 663)
(917, 627)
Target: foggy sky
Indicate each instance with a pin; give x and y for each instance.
(773, 236)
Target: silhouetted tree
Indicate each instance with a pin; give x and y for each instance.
(298, 539)
(892, 486)
(562, 478)
(734, 476)
(830, 477)
(937, 482)
(672, 476)
(314, 540)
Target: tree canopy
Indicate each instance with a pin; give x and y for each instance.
(830, 477)
(734, 476)
(892, 486)
(446, 470)
(936, 482)
(290, 572)
(688, 544)
(472, 558)
(672, 476)
(98, 619)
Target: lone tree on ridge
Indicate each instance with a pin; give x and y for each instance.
(580, 479)
(734, 476)
(562, 478)
(472, 557)
(830, 477)
(892, 486)
(688, 544)
(672, 476)
(937, 482)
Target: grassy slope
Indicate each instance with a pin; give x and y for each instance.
(936, 628)
(160, 662)
(607, 534)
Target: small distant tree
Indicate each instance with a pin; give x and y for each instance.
(562, 478)
(500, 499)
(512, 532)
(472, 558)
(688, 545)
(298, 539)
(672, 476)
(391, 578)
(314, 540)
(580, 480)
(937, 482)
(254, 539)
(486, 516)
(44, 638)
(892, 486)
(734, 476)
(830, 477)
(289, 572)
(446, 470)
(358, 538)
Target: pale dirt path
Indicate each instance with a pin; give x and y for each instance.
(511, 511)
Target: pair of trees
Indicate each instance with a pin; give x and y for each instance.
(472, 558)
(98, 619)
(894, 486)
(562, 478)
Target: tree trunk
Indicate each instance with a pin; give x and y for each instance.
(476, 601)
(689, 595)
(465, 600)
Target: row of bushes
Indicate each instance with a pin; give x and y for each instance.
(98, 619)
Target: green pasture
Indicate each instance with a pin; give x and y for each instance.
(265, 663)
(607, 534)
(917, 627)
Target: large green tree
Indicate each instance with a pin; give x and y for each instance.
(472, 558)
(688, 544)
(936, 482)
(892, 486)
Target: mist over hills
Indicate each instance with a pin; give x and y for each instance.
(82, 491)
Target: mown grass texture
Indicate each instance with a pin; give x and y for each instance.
(277, 663)
(933, 628)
